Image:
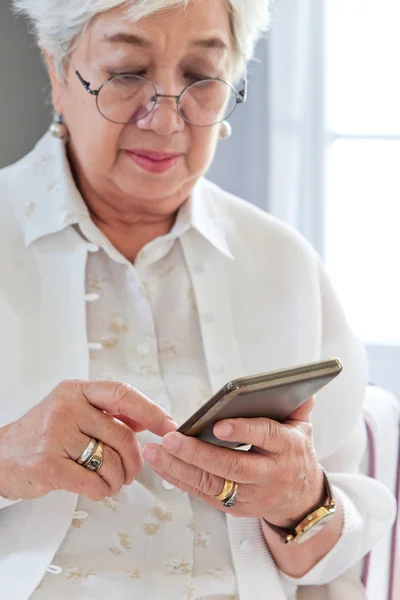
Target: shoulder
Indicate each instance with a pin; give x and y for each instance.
(19, 181)
(14, 187)
(248, 226)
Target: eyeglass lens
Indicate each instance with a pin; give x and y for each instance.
(130, 98)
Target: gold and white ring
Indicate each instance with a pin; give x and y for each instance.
(95, 462)
(88, 451)
(231, 500)
(226, 490)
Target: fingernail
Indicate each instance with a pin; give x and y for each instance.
(171, 442)
(225, 430)
(170, 425)
(149, 454)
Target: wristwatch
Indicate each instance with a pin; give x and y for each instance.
(312, 524)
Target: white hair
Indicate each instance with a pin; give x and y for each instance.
(58, 24)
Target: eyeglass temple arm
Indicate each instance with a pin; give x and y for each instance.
(86, 84)
(242, 93)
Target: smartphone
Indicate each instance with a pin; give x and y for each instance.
(275, 395)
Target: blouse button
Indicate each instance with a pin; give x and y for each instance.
(92, 248)
(92, 297)
(245, 546)
(80, 515)
(167, 486)
(95, 346)
(54, 570)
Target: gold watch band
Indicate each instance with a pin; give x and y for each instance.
(307, 526)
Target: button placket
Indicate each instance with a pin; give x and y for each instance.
(212, 295)
(141, 347)
(93, 297)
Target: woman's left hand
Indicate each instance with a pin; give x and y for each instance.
(280, 479)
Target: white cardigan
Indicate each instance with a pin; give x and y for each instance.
(279, 310)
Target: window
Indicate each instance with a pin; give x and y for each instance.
(362, 163)
(334, 154)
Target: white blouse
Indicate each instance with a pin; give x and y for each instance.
(124, 547)
(229, 292)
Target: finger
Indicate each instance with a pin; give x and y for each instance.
(112, 470)
(160, 460)
(240, 509)
(229, 464)
(267, 434)
(123, 401)
(71, 477)
(116, 435)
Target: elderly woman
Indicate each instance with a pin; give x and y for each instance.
(131, 289)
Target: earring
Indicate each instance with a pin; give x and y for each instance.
(58, 128)
(225, 130)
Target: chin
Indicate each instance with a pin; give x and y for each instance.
(151, 187)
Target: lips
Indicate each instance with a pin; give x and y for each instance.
(154, 162)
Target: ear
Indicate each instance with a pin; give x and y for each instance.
(57, 84)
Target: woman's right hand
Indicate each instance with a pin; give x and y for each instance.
(38, 452)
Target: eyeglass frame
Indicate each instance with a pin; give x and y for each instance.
(241, 94)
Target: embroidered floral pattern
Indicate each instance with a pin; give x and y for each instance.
(202, 540)
(162, 515)
(79, 574)
(147, 291)
(134, 574)
(150, 527)
(192, 525)
(96, 283)
(190, 592)
(178, 566)
(77, 523)
(111, 503)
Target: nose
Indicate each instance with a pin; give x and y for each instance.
(164, 119)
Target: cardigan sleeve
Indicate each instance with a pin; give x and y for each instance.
(340, 439)
(4, 503)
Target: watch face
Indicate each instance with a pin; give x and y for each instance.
(316, 528)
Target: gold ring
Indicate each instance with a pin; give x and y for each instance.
(231, 500)
(226, 490)
(88, 451)
(95, 462)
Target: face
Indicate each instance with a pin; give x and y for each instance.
(171, 49)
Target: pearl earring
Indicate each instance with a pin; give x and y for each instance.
(225, 130)
(58, 128)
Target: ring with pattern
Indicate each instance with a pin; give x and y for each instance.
(88, 451)
(231, 500)
(226, 490)
(95, 462)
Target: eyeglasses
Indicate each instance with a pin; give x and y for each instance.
(129, 98)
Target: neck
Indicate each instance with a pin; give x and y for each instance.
(130, 237)
(130, 223)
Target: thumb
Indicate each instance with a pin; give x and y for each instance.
(303, 413)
